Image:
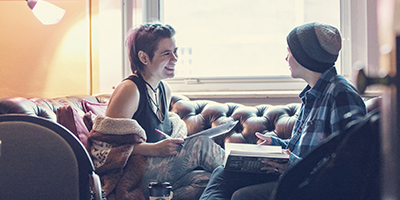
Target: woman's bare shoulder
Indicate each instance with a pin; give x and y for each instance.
(124, 100)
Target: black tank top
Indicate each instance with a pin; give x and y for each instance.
(145, 115)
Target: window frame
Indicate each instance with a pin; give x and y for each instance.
(358, 38)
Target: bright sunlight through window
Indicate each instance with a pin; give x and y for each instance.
(237, 38)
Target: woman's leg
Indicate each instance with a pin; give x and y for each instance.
(196, 152)
(223, 183)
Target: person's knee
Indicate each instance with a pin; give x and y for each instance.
(246, 192)
(255, 192)
(217, 174)
(219, 170)
(240, 195)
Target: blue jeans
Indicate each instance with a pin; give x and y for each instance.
(224, 184)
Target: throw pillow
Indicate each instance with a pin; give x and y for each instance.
(88, 119)
(95, 108)
(70, 119)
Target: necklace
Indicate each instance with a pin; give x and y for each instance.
(148, 84)
(155, 102)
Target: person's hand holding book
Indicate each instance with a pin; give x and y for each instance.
(274, 166)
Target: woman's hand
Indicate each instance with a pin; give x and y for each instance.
(163, 148)
(275, 167)
(167, 147)
(263, 140)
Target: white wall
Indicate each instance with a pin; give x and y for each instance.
(110, 45)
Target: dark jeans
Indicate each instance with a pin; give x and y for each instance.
(223, 184)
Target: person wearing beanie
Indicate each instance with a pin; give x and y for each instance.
(315, 46)
(313, 49)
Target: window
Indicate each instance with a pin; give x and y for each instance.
(240, 46)
(236, 38)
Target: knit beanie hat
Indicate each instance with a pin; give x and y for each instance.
(315, 45)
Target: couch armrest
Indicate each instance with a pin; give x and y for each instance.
(19, 105)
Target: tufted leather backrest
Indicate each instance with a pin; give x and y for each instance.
(275, 120)
(203, 114)
(42, 107)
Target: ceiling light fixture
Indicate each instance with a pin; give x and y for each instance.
(46, 12)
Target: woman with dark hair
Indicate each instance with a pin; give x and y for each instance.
(141, 101)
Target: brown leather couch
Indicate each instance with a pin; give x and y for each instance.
(198, 115)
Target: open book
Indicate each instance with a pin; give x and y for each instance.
(247, 157)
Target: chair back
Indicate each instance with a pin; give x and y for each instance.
(40, 159)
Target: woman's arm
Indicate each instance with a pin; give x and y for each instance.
(124, 101)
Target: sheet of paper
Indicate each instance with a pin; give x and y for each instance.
(215, 131)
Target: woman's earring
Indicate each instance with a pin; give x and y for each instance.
(142, 57)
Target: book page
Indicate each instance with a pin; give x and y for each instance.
(251, 149)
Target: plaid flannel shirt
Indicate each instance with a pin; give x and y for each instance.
(322, 113)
